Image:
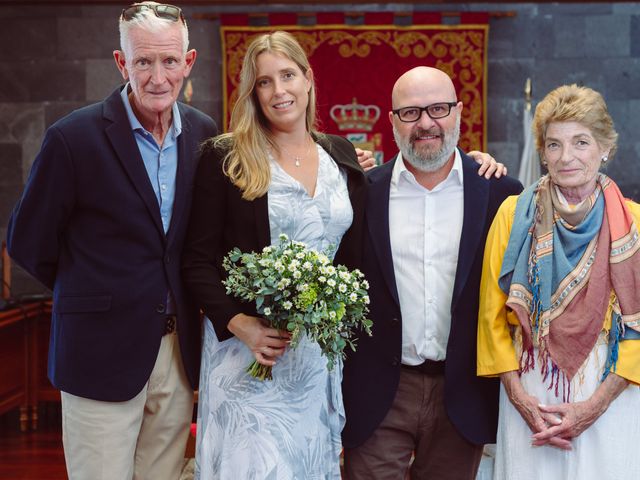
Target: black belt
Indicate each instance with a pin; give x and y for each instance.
(428, 367)
(170, 325)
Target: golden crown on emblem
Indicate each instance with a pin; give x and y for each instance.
(355, 116)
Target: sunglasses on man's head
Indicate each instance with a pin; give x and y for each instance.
(170, 12)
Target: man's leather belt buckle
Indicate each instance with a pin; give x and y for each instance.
(428, 367)
(170, 325)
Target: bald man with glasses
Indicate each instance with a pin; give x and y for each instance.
(101, 222)
(411, 390)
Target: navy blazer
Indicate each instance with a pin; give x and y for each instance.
(222, 220)
(372, 373)
(88, 227)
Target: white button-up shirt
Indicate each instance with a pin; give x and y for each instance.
(425, 228)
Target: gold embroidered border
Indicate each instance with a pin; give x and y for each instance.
(459, 50)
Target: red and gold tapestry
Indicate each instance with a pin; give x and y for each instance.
(355, 68)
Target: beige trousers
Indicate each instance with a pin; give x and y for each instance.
(142, 438)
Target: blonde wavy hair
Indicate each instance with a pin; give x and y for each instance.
(247, 162)
(571, 103)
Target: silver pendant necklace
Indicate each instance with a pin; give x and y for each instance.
(297, 158)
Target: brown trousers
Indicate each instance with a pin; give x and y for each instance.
(417, 424)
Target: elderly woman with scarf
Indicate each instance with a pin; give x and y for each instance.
(560, 306)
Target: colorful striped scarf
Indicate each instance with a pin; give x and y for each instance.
(559, 269)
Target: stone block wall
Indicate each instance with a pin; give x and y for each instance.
(58, 58)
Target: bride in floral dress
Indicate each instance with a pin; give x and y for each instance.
(274, 174)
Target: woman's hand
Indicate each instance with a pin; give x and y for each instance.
(528, 407)
(488, 165)
(575, 418)
(365, 159)
(266, 343)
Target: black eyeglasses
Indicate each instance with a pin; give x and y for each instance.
(170, 12)
(435, 111)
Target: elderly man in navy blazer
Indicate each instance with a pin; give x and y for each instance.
(101, 222)
(411, 388)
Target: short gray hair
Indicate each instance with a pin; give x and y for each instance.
(148, 20)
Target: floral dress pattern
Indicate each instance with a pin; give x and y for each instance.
(289, 427)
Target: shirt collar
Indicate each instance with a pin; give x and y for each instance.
(176, 121)
(402, 174)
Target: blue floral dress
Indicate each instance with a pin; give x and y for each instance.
(289, 427)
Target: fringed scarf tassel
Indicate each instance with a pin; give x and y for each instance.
(615, 335)
(535, 312)
(551, 373)
(549, 370)
(527, 358)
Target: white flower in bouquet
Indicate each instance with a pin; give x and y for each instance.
(297, 289)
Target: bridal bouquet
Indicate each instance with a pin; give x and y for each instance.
(298, 290)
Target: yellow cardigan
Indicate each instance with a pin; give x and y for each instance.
(496, 352)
